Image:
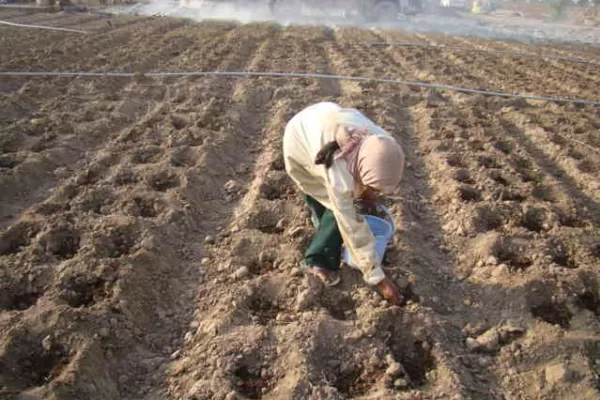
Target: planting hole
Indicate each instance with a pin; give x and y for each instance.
(145, 207)
(10, 160)
(263, 310)
(18, 299)
(534, 219)
(477, 145)
(95, 199)
(264, 220)
(545, 193)
(558, 139)
(271, 191)
(496, 175)
(185, 157)
(415, 356)
(455, 160)
(503, 146)
(560, 255)
(16, 237)
(340, 306)
(587, 166)
(278, 164)
(552, 313)
(276, 186)
(116, 242)
(595, 250)
(28, 364)
(83, 291)
(513, 254)
(49, 208)
(249, 382)
(354, 382)
(62, 242)
(89, 177)
(529, 176)
(125, 177)
(486, 219)
(568, 216)
(507, 194)
(575, 154)
(469, 193)
(589, 301)
(147, 155)
(488, 162)
(463, 176)
(179, 122)
(163, 180)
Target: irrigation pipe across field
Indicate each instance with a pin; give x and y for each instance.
(297, 75)
(473, 49)
(303, 75)
(50, 28)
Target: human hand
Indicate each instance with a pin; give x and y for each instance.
(370, 194)
(367, 207)
(390, 291)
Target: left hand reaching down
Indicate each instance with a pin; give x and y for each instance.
(390, 291)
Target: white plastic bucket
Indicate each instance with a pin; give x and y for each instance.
(382, 230)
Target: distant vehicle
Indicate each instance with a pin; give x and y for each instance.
(371, 10)
(460, 4)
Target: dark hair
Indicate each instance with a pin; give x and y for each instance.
(325, 155)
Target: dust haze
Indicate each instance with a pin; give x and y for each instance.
(497, 24)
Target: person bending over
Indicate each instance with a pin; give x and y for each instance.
(336, 156)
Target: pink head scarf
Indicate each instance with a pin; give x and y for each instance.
(373, 160)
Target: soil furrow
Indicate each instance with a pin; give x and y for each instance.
(208, 208)
(482, 72)
(87, 52)
(9, 15)
(49, 148)
(582, 71)
(16, 45)
(589, 159)
(490, 197)
(256, 216)
(151, 239)
(125, 379)
(538, 71)
(74, 21)
(428, 267)
(583, 51)
(579, 175)
(38, 18)
(40, 135)
(112, 24)
(206, 51)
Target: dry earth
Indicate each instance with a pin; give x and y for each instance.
(150, 237)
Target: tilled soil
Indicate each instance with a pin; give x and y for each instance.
(151, 238)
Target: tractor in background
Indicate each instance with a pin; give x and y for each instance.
(366, 10)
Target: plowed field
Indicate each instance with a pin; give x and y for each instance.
(150, 238)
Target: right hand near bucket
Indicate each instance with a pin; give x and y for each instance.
(369, 207)
(390, 291)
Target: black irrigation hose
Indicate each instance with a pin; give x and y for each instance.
(300, 75)
(51, 28)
